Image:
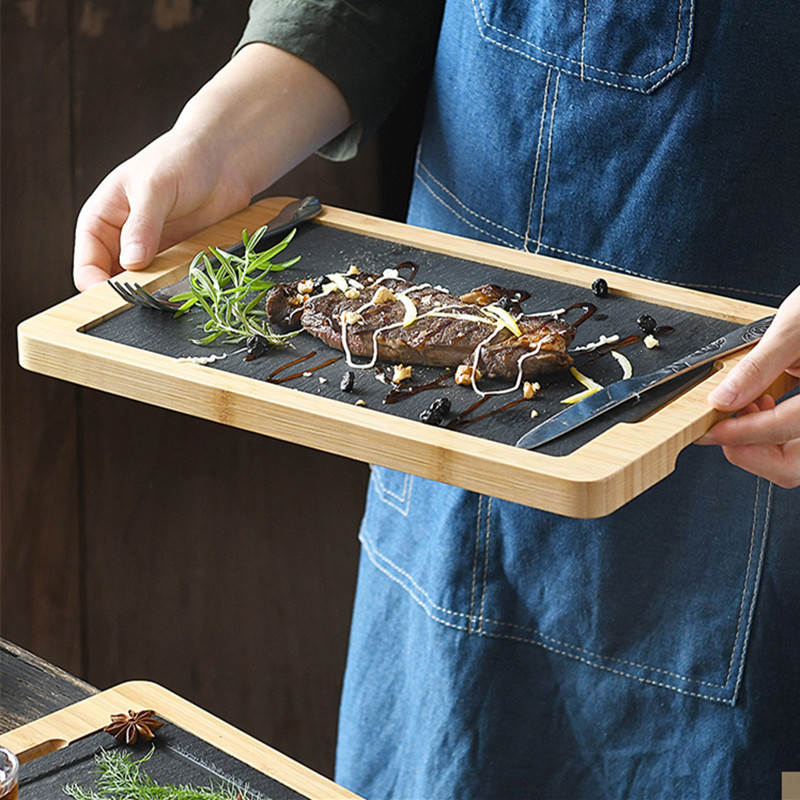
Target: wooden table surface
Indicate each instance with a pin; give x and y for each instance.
(30, 687)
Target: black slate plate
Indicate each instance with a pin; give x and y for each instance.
(178, 758)
(324, 250)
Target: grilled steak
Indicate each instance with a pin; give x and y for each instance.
(391, 319)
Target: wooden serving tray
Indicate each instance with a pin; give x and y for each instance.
(612, 467)
(57, 730)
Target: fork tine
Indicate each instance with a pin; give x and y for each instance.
(146, 299)
(124, 292)
(135, 294)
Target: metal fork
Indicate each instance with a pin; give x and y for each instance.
(134, 293)
(289, 216)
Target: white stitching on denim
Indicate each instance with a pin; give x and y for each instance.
(475, 565)
(636, 274)
(474, 213)
(487, 539)
(767, 515)
(583, 39)
(536, 160)
(429, 600)
(581, 63)
(746, 580)
(547, 166)
(561, 250)
(384, 493)
(537, 637)
(538, 633)
(461, 627)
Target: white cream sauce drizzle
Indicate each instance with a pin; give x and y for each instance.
(445, 313)
(201, 359)
(518, 382)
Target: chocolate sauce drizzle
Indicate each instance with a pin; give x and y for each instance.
(411, 266)
(272, 379)
(604, 349)
(590, 308)
(400, 391)
(461, 421)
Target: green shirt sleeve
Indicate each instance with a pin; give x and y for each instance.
(371, 49)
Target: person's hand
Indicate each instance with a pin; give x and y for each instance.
(764, 437)
(167, 192)
(262, 114)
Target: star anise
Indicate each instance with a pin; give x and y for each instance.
(131, 727)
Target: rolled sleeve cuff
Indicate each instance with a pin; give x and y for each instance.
(370, 50)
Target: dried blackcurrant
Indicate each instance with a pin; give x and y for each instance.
(441, 404)
(430, 417)
(347, 381)
(435, 413)
(646, 323)
(600, 287)
(256, 347)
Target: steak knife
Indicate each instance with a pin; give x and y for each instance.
(622, 391)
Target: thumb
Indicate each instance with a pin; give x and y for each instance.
(747, 380)
(141, 233)
(776, 353)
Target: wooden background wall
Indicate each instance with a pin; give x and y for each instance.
(138, 543)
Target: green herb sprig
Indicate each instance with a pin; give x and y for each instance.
(121, 777)
(231, 291)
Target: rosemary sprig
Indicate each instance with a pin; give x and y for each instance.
(121, 777)
(231, 291)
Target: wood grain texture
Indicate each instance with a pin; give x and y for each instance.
(84, 86)
(61, 727)
(31, 688)
(592, 481)
(39, 519)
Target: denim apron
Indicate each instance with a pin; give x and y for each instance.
(502, 652)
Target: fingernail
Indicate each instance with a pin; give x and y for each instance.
(723, 395)
(133, 253)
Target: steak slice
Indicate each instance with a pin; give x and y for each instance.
(391, 319)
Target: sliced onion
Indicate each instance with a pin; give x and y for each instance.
(591, 387)
(627, 367)
(504, 317)
(410, 315)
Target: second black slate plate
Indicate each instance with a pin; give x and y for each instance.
(178, 758)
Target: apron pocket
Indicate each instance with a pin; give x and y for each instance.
(628, 44)
(652, 593)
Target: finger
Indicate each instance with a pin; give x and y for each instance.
(763, 422)
(777, 463)
(95, 252)
(776, 352)
(141, 234)
(758, 405)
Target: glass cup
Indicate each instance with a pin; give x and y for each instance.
(9, 774)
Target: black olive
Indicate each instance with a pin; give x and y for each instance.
(600, 287)
(646, 323)
(256, 347)
(505, 302)
(318, 282)
(347, 381)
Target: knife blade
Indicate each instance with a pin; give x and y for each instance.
(622, 391)
(290, 216)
